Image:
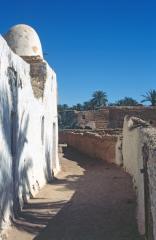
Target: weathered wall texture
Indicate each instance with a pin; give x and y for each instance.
(149, 155)
(132, 162)
(93, 119)
(28, 132)
(109, 117)
(117, 114)
(139, 159)
(93, 144)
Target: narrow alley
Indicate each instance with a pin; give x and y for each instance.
(89, 200)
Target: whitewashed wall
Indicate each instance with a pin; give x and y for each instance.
(136, 135)
(27, 154)
(51, 116)
(6, 190)
(149, 139)
(132, 162)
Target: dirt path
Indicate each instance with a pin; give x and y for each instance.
(90, 200)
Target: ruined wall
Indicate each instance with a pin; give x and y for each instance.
(92, 119)
(85, 119)
(139, 158)
(109, 117)
(28, 132)
(117, 114)
(93, 144)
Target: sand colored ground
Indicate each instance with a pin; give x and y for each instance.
(89, 200)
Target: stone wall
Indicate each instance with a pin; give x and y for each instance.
(109, 117)
(28, 133)
(99, 146)
(139, 159)
(92, 119)
(117, 114)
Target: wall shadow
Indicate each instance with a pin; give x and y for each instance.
(14, 135)
(102, 207)
(34, 216)
(5, 158)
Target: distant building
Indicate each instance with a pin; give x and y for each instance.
(108, 117)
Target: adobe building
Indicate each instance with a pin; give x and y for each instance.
(108, 117)
(28, 120)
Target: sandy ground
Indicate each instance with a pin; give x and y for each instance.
(89, 200)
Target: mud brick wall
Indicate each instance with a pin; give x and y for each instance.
(117, 114)
(109, 117)
(94, 145)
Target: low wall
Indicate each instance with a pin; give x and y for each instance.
(94, 145)
(139, 159)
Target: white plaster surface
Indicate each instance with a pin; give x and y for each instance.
(149, 137)
(135, 136)
(32, 155)
(118, 152)
(132, 162)
(24, 41)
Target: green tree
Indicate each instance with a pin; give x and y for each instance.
(99, 99)
(150, 96)
(127, 101)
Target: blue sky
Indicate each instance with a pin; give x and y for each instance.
(92, 44)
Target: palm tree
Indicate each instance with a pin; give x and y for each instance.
(99, 99)
(150, 96)
(127, 101)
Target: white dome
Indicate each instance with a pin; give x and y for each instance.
(24, 41)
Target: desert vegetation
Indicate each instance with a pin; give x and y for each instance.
(99, 99)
